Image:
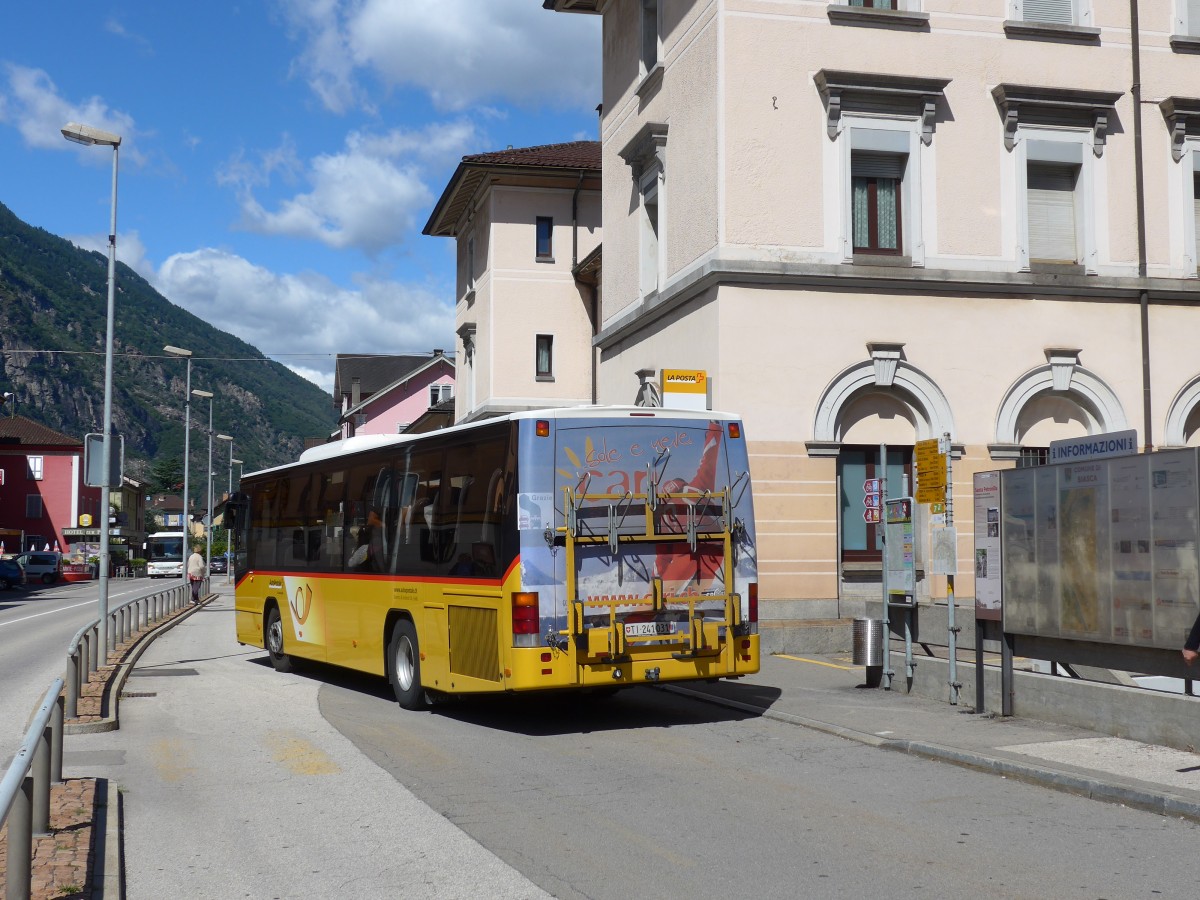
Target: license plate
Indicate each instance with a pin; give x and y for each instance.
(649, 629)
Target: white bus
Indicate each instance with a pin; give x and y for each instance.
(164, 554)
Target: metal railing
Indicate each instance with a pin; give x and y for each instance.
(25, 789)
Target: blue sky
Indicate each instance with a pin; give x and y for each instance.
(280, 157)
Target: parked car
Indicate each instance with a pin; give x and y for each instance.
(11, 573)
(46, 566)
(218, 565)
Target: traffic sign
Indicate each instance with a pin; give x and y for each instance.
(871, 500)
(931, 465)
(871, 486)
(871, 514)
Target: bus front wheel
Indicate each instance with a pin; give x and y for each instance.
(280, 660)
(404, 666)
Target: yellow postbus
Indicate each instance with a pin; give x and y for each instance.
(596, 547)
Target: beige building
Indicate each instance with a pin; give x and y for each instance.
(527, 224)
(880, 225)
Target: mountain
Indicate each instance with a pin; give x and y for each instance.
(53, 310)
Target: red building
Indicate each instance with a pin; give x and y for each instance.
(41, 485)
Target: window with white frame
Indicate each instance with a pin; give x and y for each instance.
(879, 127)
(1187, 17)
(440, 392)
(1051, 192)
(646, 155)
(35, 468)
(651, 35)
(875, 201)
(470, 263)
(544, 356)
(33, 506)
(650, 249)
(1196, 209)
(1051, 12)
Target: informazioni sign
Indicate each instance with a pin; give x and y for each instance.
(1094, 446)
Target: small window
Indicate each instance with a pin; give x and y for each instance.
(1054, 12)
(470, 262)
(544, 362)
(1195, 216)
(35, 468)
(650, 233)
(875, 4)
(33, 506)
(650, 35)
(545, 238)
(1053, 232)
(440, 392)
(875, 202)
(1033, 456)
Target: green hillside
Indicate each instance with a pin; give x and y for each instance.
(53, 297)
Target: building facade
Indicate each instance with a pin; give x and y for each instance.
(382, 394)
(881, 222)
(527, 227)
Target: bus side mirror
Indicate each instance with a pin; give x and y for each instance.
(236, 508)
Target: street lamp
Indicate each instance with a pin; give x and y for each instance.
(208, 524)
(187, 459)
(228, 494)
(232, 463)
(86, 134)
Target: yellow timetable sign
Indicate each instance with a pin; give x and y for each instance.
(931, 466)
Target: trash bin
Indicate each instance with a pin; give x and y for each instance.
(868, 648)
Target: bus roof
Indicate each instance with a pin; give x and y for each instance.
(336, 449)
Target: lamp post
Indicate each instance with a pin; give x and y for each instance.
(187, 459)
(86, 134)
(208, 524)
(228, 494)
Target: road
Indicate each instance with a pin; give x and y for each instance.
(236, 780)
(37, 623)
(654, 795)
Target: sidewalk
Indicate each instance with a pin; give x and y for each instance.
(825, 693)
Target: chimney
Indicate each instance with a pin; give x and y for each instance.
(355, 390)
(437, 352)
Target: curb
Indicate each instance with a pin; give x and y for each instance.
(117, 682)
(1161, 802)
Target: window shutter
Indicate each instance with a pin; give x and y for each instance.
(1195, 219)
(1058, 12)
(877, 165)
(1193, 17)
(1051, 193)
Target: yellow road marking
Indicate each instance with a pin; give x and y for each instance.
(818, 662)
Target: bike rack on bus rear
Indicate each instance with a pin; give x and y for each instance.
(611, 643)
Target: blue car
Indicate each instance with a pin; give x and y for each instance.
(11, 574)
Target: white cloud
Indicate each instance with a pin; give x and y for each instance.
(322, 319)
(461, 52)
(130, 250)
(368, 196)
(31, 102)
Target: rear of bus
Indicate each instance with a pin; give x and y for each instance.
(638, 561)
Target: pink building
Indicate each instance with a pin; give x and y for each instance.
(41, 485)
(382, 394)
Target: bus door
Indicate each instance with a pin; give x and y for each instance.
(647, 529)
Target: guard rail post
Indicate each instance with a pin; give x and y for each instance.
(41, 783)
(73, 687)
(57, 729)
(20, 842)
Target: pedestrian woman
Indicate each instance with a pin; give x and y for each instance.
(195, 572)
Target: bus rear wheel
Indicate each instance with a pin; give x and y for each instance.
(404, 666)
(280, 660)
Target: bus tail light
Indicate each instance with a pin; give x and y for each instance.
(735, 430)
(525, 618)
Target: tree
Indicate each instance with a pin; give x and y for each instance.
(166, 475)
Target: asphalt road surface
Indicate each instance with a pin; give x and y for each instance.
(237, 781)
